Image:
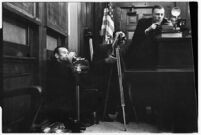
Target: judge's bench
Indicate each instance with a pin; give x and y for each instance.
(167, 95)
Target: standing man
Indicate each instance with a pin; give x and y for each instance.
(142, 52)
(105, 70)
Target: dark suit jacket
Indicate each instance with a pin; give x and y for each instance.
(142, 52)
(60, 85)
(101, 69)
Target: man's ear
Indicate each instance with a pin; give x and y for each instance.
(56, 55)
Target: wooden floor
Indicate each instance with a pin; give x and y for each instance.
(117, 127)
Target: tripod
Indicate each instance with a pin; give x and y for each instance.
(120, 87)
(81, 66)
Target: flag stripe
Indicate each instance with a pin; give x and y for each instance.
(107, 27)
(108, 21)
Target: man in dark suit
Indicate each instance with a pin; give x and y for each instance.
(105, 70)
(61, 81)
(142, 52)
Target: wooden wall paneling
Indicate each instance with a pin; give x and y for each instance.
(18, 50)
(98, 17)
(83, 16)
(56, 16)
(15, 36)
(1, 64)
(86, 18)
(42, 51)
(90, 25)
(129, 4)
(117, 17)
(35, 52)
(27, 7)
(42, 57)
(66, 23)
(51, 42)
(21, 13)
(53, 14)
(81, 27)
(63, 15)
(89, 15)
(15, 32)
(167, 5)
(23, 80)
(81, 23)
(28, 68)
(60, 41)
(57, 21)
(16, 68)
(31, 42)
(18, 72)
(18, 55)
(12, 114)
(74, 21)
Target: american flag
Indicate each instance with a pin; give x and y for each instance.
(107, 27)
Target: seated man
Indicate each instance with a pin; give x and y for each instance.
(61, 82)
(142, 52)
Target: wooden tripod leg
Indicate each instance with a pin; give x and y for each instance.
(78, 101)
(121, 85)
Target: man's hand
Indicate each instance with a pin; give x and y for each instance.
(71, 55)
(152, 27)
(119, 33)
(110, 59)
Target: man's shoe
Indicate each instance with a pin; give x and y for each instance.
(107, 119)
(113, 116)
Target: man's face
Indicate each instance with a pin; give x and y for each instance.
(62, 54)
(158, 15)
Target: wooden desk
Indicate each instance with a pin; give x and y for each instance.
(169, 89)
(175, 52)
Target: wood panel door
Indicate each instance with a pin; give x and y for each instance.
(86, 24)
(57, 19)
(20, 57)
(20, 45)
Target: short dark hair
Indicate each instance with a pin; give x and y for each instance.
(157, 7)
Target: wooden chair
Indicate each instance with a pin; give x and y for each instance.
(20, 108)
